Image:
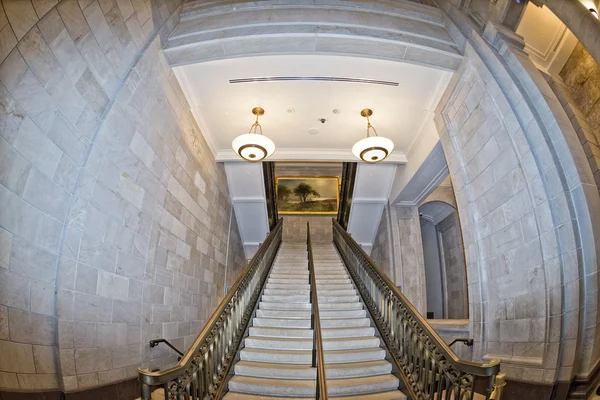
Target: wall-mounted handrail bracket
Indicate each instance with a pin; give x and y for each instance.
(156, 342)
(466, 341)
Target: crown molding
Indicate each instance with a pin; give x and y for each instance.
(369, 200)
(332, 155)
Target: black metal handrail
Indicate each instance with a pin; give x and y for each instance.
(270, 192)
(428, 368)
(156, 342)
(318, 357)
(466, 341)
(346, 192)
(202, 372)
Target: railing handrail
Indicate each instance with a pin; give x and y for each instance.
(163, 376)
(318, 356)
(479, 369)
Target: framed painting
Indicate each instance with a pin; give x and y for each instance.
(308, 194)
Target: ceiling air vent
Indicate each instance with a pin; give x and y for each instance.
(312, 78)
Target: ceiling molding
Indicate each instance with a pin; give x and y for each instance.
(435, 182)
(366, 200)
(248, 199)
(333, 155)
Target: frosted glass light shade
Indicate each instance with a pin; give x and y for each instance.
(373, 149)
(253, 147)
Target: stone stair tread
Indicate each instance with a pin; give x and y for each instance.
(306, 386)
(392, 395)
(288, 339)
(311, 383)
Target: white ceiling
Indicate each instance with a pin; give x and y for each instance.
(223, 110)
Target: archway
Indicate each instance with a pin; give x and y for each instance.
(443, 254)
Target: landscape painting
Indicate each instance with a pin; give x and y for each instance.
(307, 195)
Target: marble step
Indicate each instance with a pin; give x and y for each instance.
(307, 306)
(391, 395)
(305, 286)
(287, 280)
(284, 292)
(344, 322)
(324, 298)
(305, 323)
(305, 356)
(284, 306)
(324, 314)
(268, 343)
(296, 371)
(323, 276)
(330, 281)
(336, 292)
(308, 333)
(275, 275)
(293, 271)
(306, 388)
(333, 287)
(300, 298)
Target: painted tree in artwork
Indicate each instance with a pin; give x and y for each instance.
(304, 191)
(283, 192)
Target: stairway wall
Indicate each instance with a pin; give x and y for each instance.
(528, 208)
(115, 217)
(294, 228)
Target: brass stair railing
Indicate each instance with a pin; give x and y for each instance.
(426, 366)
(318, 357)
(203, 370)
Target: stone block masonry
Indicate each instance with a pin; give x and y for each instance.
(114, 221)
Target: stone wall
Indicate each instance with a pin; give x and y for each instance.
(294, 228)
(457, 306)
(115, 217)
(398, 250)
(528, 208)
(581, 74)
(410, 273)
(381, 252)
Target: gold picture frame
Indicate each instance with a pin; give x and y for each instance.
(302, 201)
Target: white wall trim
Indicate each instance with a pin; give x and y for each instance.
(334, 155)
(366, 200)
(435, 182)
(248, 199)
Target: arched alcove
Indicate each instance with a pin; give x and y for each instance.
(443, 255)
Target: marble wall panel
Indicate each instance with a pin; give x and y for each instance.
(94, 132)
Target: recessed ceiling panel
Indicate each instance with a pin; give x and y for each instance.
(293, 107)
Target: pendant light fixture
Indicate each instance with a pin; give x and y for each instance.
(372, 149)
(254, 146)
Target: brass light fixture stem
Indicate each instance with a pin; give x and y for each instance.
(367, 112)
(258, 111)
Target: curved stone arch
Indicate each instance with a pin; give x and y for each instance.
(398, 31)
(500, 98)
(432, 210)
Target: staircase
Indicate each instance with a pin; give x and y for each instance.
(276, 358)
